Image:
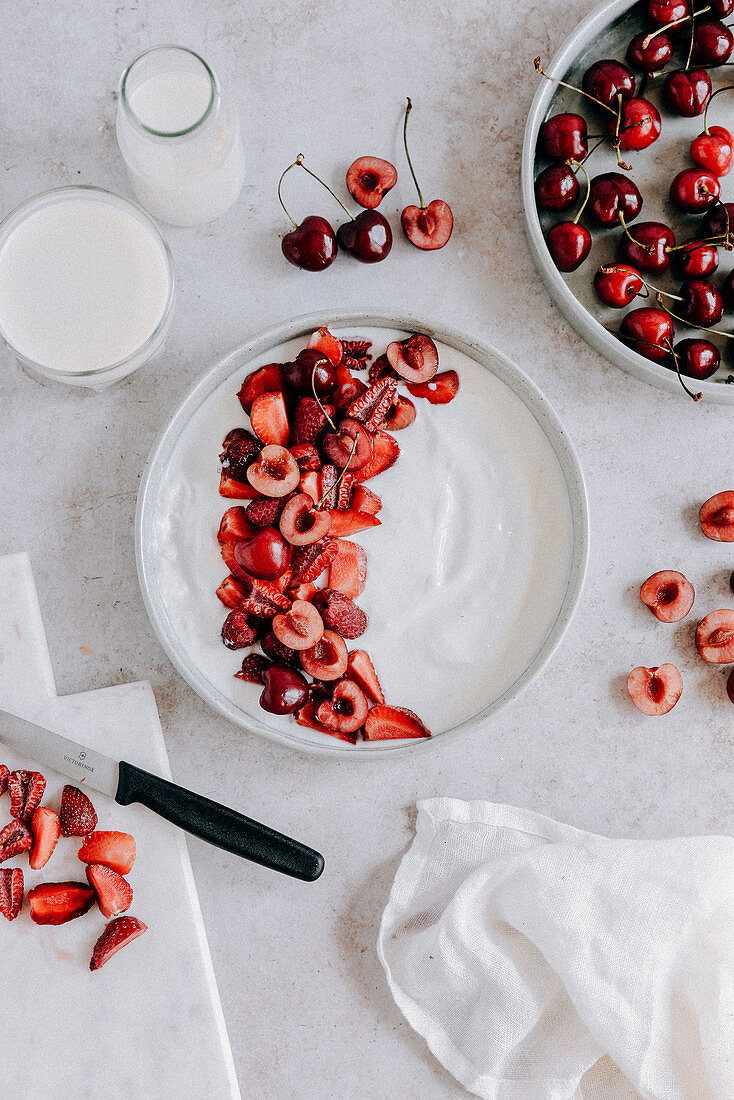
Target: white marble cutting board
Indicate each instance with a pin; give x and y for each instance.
(149, 1025)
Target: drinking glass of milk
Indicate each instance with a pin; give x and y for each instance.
(179, 137)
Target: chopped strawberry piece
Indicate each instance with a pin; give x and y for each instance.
(266, 513)
(4, 776)
(77, 814)
(401, 415)
(240, 629)
(268, 379)
(11, 892)
(236, 490)
(59, 902)
(310, 420)
(278, 652)
(344, 492)
(305, 591)
(385, 453)
(240, 449)
(46, 829)
(385, 723)
(348, 571)
(284, 582)
(306, 717)
(374, 404)
(310, 561)
(356, 349)
(115, 850)
(229, 558)
(327, 481)
(114, 893)
(307, 457)
(340, 613)
(261, 594)
(309, 484)
(441, 389)
(15, 838)
(235, 525)
(362, 671)
(231, 593)
(346, 710)
(364, 500)
(381, 369)
(269, 419)
(348, 390)
(26, 791)
(323, 341)
(118, 934)
(253, 667)
(350, 522)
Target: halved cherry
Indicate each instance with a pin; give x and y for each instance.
(400, 415)
(715, 637)
(717, 517)
(324, 342)
(669, 595)
(340, 445)
(441, 389)
(369, 179)
(655, 691)
(346, 710)
(276, 473)
(301, 523)
(266, 556)
(301, 627)
(327, 660)
(415, 359)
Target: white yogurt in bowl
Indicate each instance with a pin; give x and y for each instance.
(472, 574)
(86, 285)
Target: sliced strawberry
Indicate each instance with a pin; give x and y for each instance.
(401, 415)
(11, 892)
(114, 893)
(340, 613)
(117, 934)
(59, 902)
(253, 667)
(46, 829)
(240, 629)
(357, 350)
(307, 457)
(385, 723)
(229, 559)
(266, 512)
(305, 591)
(268, 379)
(77, 814)
(4, 776)
(350, 522)
(348, 571)
(344, 492)
(15, 838)
(236, 525)
(240, 450)
(284, 582)
(385, 452)
(310, 561)
(269, 419)
(306, 717)
(327, 481)
(348, 390)
(441, 389)
(26, 791)
(381, 369)
(364, 500)
(309, 483)
(115, 850)
(236, 490)
(263, 594)
(310, 420)
(362, 671)
(231, 593)
(324, 342)
(373, 405)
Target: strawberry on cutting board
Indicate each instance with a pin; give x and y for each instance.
(118, 934)
(114, 893)
(46, 829)
(11, 892)
(77, 814)
(115, 850)
(59, 902)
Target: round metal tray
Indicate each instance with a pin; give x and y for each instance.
(155, 491)
(606, 32)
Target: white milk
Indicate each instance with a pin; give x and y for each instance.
(466, 574)
(83, 283)
(181, 178)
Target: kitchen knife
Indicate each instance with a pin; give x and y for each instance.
(200, 816)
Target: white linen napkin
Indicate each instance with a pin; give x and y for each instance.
(525, 951)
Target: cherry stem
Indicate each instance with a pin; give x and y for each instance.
(715, 331)
(644, 247)
(280, 198)
(728, 88)
(408, 109)
(563, 84)
(719, 239)
(299, 161)
(335, 486)
(676, 23)
(588, 189)
(313, 387)
(690, 44)
(693, 396)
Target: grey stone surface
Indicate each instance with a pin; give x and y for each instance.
(308, 1011)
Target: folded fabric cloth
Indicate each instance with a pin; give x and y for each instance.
(525, 952)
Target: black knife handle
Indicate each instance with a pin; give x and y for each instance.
(218, 824)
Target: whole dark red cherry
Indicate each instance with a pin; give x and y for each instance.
(612, 194)
(368, 237)
(650, 250)
(693, 190)
(298, 374)
(648, 331)
(564, 137)
(713, 42)
(640, 124)
(697, 358)
(285, 690)
(717, 221)
(727, 290)
(702, 304)
(569, 244)
(266, 556)
(556, 187)
(662, 12)
(714, 150)
(607, 79)
(655, 55)
(617, 284)
(311, 245)
(695, 260)
(686, 93)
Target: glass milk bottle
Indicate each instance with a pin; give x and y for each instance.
(179, 137)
